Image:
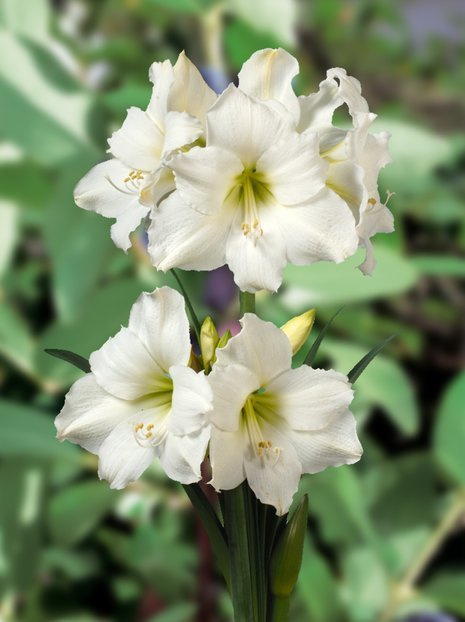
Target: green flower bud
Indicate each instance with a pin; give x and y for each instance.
(225, 337)
(298, 329)
(208, 342)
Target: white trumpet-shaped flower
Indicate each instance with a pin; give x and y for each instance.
(355, 156)
(141, 401)
(128, 186)
(271, 423)
(255, 198)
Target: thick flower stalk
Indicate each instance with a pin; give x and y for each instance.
(141, 401)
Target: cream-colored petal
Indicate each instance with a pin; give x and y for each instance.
(190, 92)
(181, 129)
(317, 109)
(162, 77)
(227, 459)
(182, 456)
(350, 90)
(192, 400)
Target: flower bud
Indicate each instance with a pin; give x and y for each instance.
(287, 555)
(298, 329)
(225, 337)
(208, 342)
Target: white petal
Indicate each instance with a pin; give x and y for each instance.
(121, 459)
(335, 445)
(324, 229)
(227, 459)
(190, 92)
(261, 347)
(310, 398)
(160, 322)
(231, 385)
(139, 142)
(182, 456)
(274, 478)
(268, 74)
(181, 129)
(204, 176)
(317, 109)
(346, 179)
(89, 414)
(294, 169)
(124, 367)
(245, 126)
(350, 90)
(181, 237)
(126, 224)
(163, 185)
(162, 76)
(192, 400)
(256, 263)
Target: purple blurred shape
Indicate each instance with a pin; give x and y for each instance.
(215, 78)
(220, 289)
(430, 616)
(232, 325)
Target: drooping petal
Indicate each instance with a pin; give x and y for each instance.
(102, 190)
(227, 459)
(181, 237)
(346, 179)
(162, 76)
(261, 347)
(89, 414)
(245, 126)
(273, 476)
(139, 142)
(204, 176)
(309, 399)
(190, 92)
(122, 459)
(317, 109)
(181, 129)
(335, 445)
(294, 169)
(256, 263)
(324, 229)
(192, 400)
(350, 90)
(231, 385)
(124, 367)
(159, 321)
(268, 74)
(182, 456)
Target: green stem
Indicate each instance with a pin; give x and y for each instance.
(280, 609)
(190, 307)
(247, 302)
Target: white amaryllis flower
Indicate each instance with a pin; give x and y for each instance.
(254, 198)
(271, 423)
(355, 157)
(141, 401)
(128, 186)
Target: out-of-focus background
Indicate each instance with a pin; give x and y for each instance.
(386, 538)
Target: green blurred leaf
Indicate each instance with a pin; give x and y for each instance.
(26, 18)
(70, 564)
(366, 584)
(326, 283)
(184, 612)
(75, 511)
(16, 343)
(447, 589)
(437, 265)
(8, 233)
(241, 41)
(181, 6)
(274, 17)
(449, 434)
(35, 113)
(29, 432)
(358, 369)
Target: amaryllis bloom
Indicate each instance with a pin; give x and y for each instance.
(271, 423)
(141, 401)
(254, 198)
(128, 186)
(355, 156)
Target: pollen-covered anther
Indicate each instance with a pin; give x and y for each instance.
(372, 201)
(266, 449)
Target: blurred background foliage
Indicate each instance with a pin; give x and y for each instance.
(386, 537)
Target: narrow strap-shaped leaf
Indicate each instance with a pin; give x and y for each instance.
(70, 357)
(360, 367)
(213, 527)
(190, 307)
(317, 343)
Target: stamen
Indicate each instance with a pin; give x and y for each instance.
(251, 224)
(145, 437)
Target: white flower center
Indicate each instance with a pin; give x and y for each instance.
(252, 190)
(253, 414)
(153, 430)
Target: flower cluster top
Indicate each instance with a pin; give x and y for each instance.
(254, 178)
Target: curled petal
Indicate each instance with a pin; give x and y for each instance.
(192, 400)
(181, 456)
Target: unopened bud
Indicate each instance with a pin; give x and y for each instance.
(208, 342)
(298, 329)
(225, 337)
(194, 362)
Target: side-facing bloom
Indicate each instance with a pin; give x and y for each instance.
(355, 156)
(129, 185)
(255, 198)
(141, 401)
(271, 423)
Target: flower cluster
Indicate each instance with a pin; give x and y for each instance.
(256, 417)
(254, 178)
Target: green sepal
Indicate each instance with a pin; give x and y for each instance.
(287, 555)
(208, 342)
(70, 357)
(225, 337)
(317, 343)
(360, 367)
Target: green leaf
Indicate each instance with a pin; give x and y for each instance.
(438, 265)
(274, 17)
(26, 18)
(70, 357)
(16, 343)
(449, 433)
(330, 284)
(360, 367)
(181, 6)
(30, 433)
(447, 589)
(8, 233)
(76, 511)
(184, 612)
(36, 113)
(309, 359)
(242, 40)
